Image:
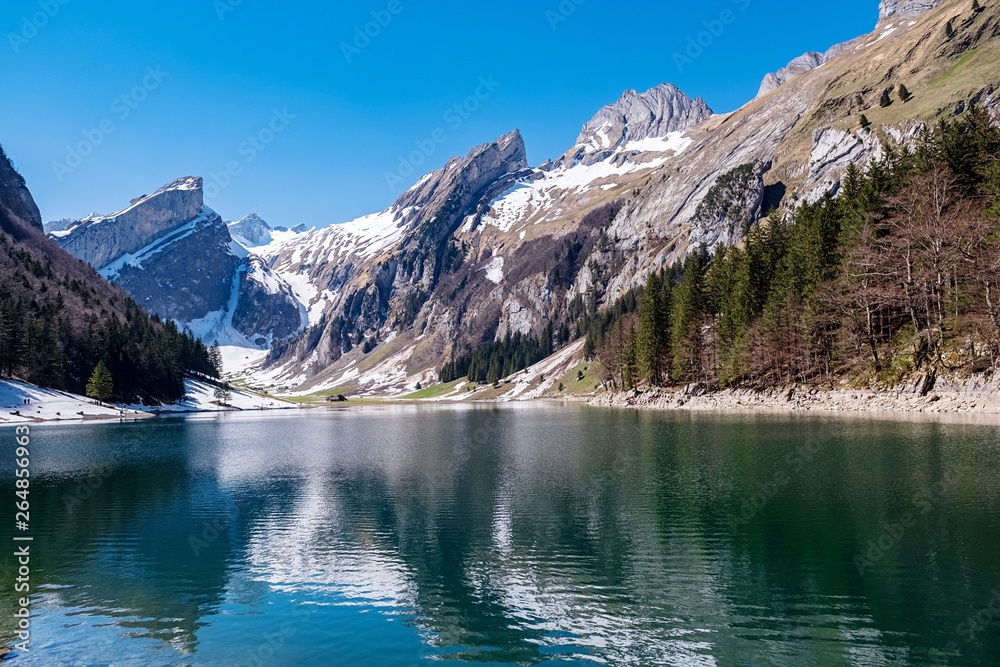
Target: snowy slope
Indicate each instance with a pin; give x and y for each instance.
(51, 405)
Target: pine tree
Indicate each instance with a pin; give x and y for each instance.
(886, 100)
(654, 330)
(976, 7)
(904, 94)
(949, 30)
(223, 394)
(865, 123)
(101, 385)
(215, 358)
(688, 309)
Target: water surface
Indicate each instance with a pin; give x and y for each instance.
(535, 535)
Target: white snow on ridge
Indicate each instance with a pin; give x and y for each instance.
(528, 197)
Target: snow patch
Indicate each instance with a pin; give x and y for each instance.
(494, 270)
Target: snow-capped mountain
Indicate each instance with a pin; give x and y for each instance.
(176, 256)
(488, 245)
(637, 123)
(251, 231)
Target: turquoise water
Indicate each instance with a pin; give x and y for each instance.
(539, 535)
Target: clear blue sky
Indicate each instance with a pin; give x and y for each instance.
(355, 114)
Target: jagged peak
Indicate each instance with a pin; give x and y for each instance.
(801, 65)
(635, 116)
(183, 183)
(507, 153)
(905, 8)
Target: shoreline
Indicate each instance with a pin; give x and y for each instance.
(973, 397)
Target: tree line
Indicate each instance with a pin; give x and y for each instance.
(500, 359)
(56, 330)
(898, 274)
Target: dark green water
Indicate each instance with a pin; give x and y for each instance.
(537, 535)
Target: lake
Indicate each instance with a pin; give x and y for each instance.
(530, 535)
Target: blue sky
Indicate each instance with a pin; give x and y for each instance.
(105, 101)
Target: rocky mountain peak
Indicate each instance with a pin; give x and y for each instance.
(146, 218)
(801, 65)
(904, 8)
(14, 195)
(637, 116)
(251, 231)
(483, 165)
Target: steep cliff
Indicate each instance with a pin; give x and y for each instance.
(16, 202)
(178, 259)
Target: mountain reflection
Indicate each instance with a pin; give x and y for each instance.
(522, 536)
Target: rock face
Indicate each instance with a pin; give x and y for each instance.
(177, 258)
(15, 198)
(834, 150)
(905, 8)
(376, 273)
(147, 218)
(731, 207)
(635, 117)
(266, 307)
(183, 279)
(800, 65)
(251, 231)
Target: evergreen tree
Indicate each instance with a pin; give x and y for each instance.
(223, 394)
(949, 30)
(100, 387)
(654, 330)
(865, 123)
(688, 309)
(904, 94)
(215, 359)
(885, 100)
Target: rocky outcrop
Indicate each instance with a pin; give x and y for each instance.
(186, 279)
(902, 9)
(176, 257)
(633, 118)
(100, 240)
(378, 272)
(265, 304)
(801, 65)
(834, 150)
(15, 198)
(731, 207)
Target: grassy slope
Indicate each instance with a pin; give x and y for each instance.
(939, 72)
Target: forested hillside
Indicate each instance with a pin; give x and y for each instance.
(895, 279)
(59, 319)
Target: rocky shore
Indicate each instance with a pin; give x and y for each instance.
(978, 395)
